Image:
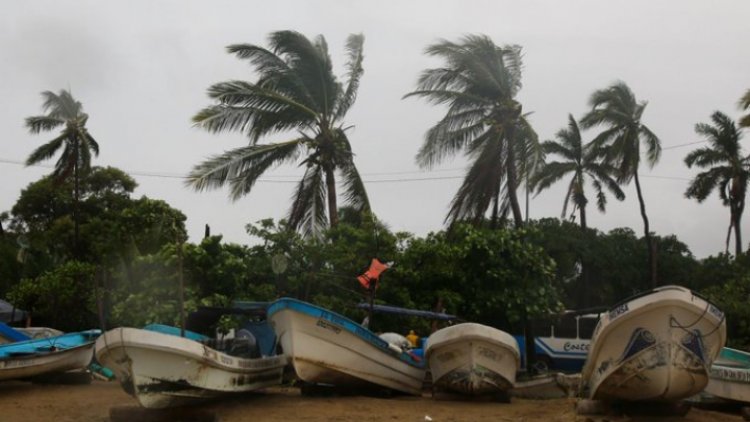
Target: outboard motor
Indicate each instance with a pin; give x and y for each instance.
(244, 345)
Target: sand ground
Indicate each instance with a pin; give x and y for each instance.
(26, 402)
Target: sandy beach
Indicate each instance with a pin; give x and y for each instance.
(25, 402)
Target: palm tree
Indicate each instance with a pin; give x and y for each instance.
(76, 143)
(296, 90)
(745, 105)
(728, 171)
(582, 161)
(479, 84)
(617, 108)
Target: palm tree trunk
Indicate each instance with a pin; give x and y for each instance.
(331, 186)
(584, 295)
(582, 211)
(527, 201)
(729, 232)
(647, 234)
(737, 237)
(76, 251)
(737, 229)
(512, 183)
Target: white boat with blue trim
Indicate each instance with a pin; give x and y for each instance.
(657, 346)
(163, 369)
(472, 359)
(327, 348)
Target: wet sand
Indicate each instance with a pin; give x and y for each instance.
(26, 402)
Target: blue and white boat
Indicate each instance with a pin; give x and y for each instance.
(327, 348)
(28, 358)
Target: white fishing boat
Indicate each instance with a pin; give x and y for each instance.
(729, 378)
(657, 346)
(33, 358)
(472, 359)
(164, 370)
(327, 348)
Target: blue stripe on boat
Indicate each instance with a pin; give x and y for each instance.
(11, 333)
(175, 331)
(341, 321)
(46, 345)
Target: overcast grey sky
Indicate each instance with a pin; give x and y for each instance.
(141, 69)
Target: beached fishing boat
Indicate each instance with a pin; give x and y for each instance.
(162, 369)
(36, 357)
(327, 348)
(656, 346)
(729, 378)
(472, 359)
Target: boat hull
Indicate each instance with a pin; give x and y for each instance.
(729, 377)
(472, 359)
(656, 347)
(326, 348)
(163, 370)
(61, 360)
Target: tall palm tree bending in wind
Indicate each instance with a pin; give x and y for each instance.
(296, 91)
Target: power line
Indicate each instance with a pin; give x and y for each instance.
(683, 145)
(375, 181)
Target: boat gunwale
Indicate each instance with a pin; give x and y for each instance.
(120, 342)
(346, 324)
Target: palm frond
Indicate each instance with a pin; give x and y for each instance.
(482, 182)
(355, 193)
(744, 102)
(311, 63)
(552, 172)
(653, 146)
(65, 165)
(308, 211)
(354, 49)
(705, 182)
(241, 167)
(47, 150)
(445, 139)
(552, 147)
(704, 157)
(568, 195)
(91, 143)
(38, 124)
(606, 175)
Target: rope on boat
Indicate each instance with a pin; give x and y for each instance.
(675, 324)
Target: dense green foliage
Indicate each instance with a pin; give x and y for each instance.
(63, 298)
(730, 291)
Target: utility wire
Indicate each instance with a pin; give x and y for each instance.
(375, 181)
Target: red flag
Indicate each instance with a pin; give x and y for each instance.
(372, 275)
